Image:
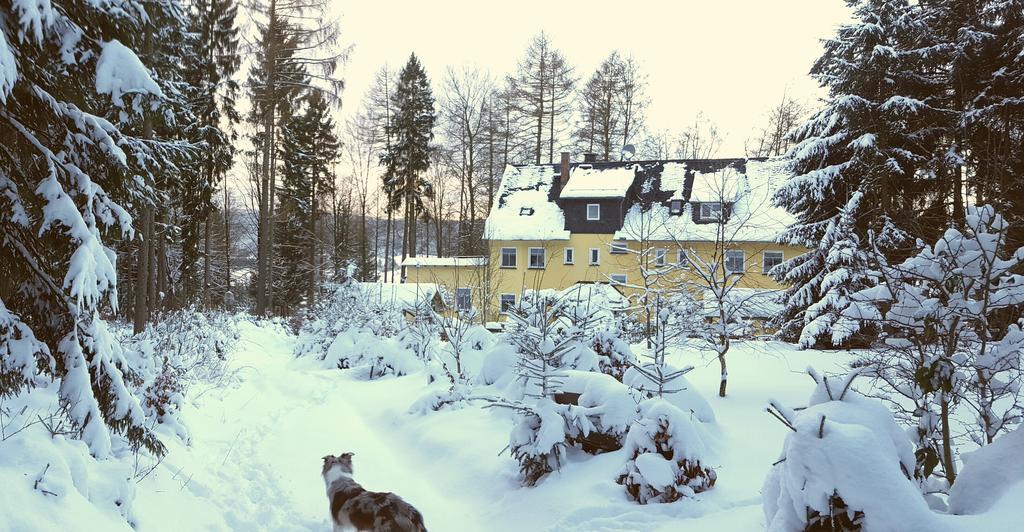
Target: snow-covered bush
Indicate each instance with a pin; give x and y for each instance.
(453, 396)
(372, 355)
(667, 453)
(21, 354)
(50, 480)
(672, 385)
(609, 405)
(499, 365)
(543, 342)
(345, 307)
(593, 413)
(538, 441)
(614, 354)
(164, 398)
(948, 340)
(543, 435)
(184, 348)
(846, 466)
(421, 334)
(462, 354)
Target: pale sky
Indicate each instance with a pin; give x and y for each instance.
(731, 59)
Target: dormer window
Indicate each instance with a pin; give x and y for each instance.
(525, 211)
(593, 211)
(675, 207)
(711, 211)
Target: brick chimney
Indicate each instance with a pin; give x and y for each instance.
(563, 178)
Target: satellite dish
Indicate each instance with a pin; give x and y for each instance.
(628, 151)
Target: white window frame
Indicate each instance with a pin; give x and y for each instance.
(675, 206)
(660, 257)
(619, 248)
(515, 257)
(682, 258)
(613, 277)
(764, 259)
(598, 216)
(469, 298)
(569, 256)
(543, 258)
(594, 256)
(712, 216)
(501, 303)
(743, 259)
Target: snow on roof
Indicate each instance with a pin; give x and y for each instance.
(589, 182)
(529, 187)
(404, 296)
(722, 186)
(526, 207)
(753, 218)
(757, 303)
(601, 295)
(444, 261)
(673, 177)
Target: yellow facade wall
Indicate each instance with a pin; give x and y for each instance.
(489, 281)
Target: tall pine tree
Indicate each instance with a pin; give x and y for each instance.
(310, 147)
(408, 155)
(862, 163)
(210, 64)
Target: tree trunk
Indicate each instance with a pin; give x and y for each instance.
(387, 248)
(314, 264)
(142, 271)
(948, 463)
(264, 241)
(227, 239)
(206, 264)
(551, 127)
(270, 215)
(146, 242)
(364, 258)
(540, 113)
(154, 272)
(263, 246)
(725, 375)
(163, 290)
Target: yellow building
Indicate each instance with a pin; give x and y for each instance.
(630, 224)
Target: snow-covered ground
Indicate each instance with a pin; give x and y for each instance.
(256, 446)
(254, 462)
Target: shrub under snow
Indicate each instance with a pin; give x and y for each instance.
(678, 390)
(346, 307)
(547, 429)
(374, 355)
(667, 455)
(184, 348)
(846, 466)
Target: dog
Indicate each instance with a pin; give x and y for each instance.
(354, 508)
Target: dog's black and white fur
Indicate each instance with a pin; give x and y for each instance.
(354, 508)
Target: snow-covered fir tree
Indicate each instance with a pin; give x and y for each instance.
(310, 147)
(211, 61)
(857, 162)
(846, 262)
(69, 175)
(408, 155)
